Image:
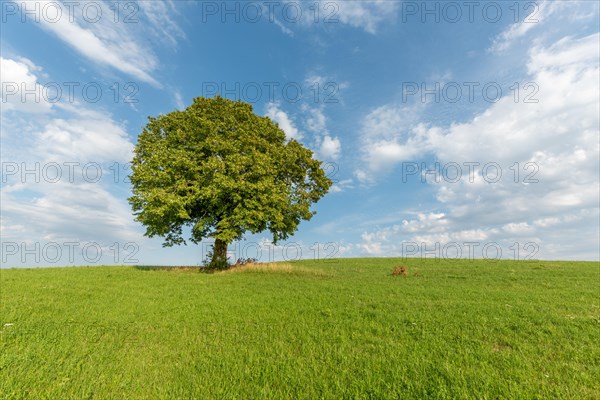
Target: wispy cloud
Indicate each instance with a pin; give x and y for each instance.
(179, 100)
(161, 17)
(561, 12)
(118, 45)
(368, 15)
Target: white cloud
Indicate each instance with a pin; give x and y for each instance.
(20, 90)
(328, 147)
(331, 148)
(367, 15)
(567, 55)
(341, 186)
(553, 141)
(76, 199)
(363, 176)
(557, 12)
(513, 32)
(64, 211)
(390, 134)
(90, 136)
(435, 221)
(315, 121)
(284, 121)
(517, 228)
(370, 246)
(507, 131)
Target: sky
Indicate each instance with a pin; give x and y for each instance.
(450, 129)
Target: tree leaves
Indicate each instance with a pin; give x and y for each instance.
(222, 170)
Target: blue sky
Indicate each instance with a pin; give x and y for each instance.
(499, 101)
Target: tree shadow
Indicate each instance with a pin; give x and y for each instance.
(169, 268)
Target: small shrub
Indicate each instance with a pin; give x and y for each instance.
(400, 270)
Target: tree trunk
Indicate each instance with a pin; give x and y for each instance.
(219, 258)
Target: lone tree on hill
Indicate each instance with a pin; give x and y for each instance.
(221, 170)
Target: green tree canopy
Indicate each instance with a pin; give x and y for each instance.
(221, 170)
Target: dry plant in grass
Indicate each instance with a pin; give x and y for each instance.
(400, 270)
(275, 268)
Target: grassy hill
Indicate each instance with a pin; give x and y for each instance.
(452, 329)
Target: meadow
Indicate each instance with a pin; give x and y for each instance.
(334, 329)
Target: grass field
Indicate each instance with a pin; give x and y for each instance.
(344, 329)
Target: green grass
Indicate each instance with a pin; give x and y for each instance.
(345, 329)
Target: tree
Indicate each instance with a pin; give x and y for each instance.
(221, 170)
